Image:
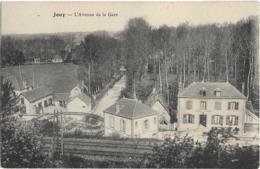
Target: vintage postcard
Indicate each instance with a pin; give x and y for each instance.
(129, 85)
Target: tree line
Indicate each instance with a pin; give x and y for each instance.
(163, 58)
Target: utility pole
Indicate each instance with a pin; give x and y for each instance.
(89, 89)
(61, 129)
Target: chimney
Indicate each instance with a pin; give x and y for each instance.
(243, 88)
(154, 90)
(117, 108)
(180, 87)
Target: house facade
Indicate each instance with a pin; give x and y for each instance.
(36, 101)
(131, 118)
(203, 105)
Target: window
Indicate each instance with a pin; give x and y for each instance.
(203, 92)
(122, 125)
(188, 118)
(217, 92)
(218, 105)
(60, 103)
(203, 105)
(40, 104)
(233, 105)
(111, 121)
(83, 107)
(154, 120)
(22, 100)
(50, 101)
(217, 119)
(232, 120)
(188, 104)
(45, 103)
(146, 124)
(136, 124)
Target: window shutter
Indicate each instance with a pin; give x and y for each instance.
(229, 105)
(236, 120)
(192, 118)
(236, 105)
(221, 120)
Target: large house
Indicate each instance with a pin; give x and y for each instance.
(203, 105)
(131, 118)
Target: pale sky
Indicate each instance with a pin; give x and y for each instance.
(36, 17)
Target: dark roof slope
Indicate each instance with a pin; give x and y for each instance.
(60, 78)
(227, 90)
(130, 108)
(86, 99)
(36, 94)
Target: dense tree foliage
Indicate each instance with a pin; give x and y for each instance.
(183, 152)
(174, 57)
(100, 57)
(20, 142)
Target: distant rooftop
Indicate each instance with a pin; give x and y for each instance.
(37, 94)
(130, 108)
(227, 90)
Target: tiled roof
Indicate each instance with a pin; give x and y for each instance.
(37, 94)
(130, 108)
(227, 90)
(61, 96)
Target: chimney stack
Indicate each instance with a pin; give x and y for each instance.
(243, 88)
(117, 108)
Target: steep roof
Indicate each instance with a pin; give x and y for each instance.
(227, 90)
(86, 99)
(153, 98)
(130, 108)
(36, 94)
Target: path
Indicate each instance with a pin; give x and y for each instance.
(110, 97)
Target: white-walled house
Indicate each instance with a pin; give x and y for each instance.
(36, 101)
(157, 103)
(131, 118)
(79, 103)
(203, 105)
(57, 59)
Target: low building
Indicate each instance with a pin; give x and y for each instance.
(251, 126)
(37, 60)
(79, 103)
(57, 59)
(157, 102)
(203, 105)
(131, 118)
(36, 101)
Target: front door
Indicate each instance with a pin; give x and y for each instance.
(203, 120)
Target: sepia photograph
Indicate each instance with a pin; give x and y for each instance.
(129, 84)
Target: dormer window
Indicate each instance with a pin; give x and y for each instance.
(203, 92)
(217, 92)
